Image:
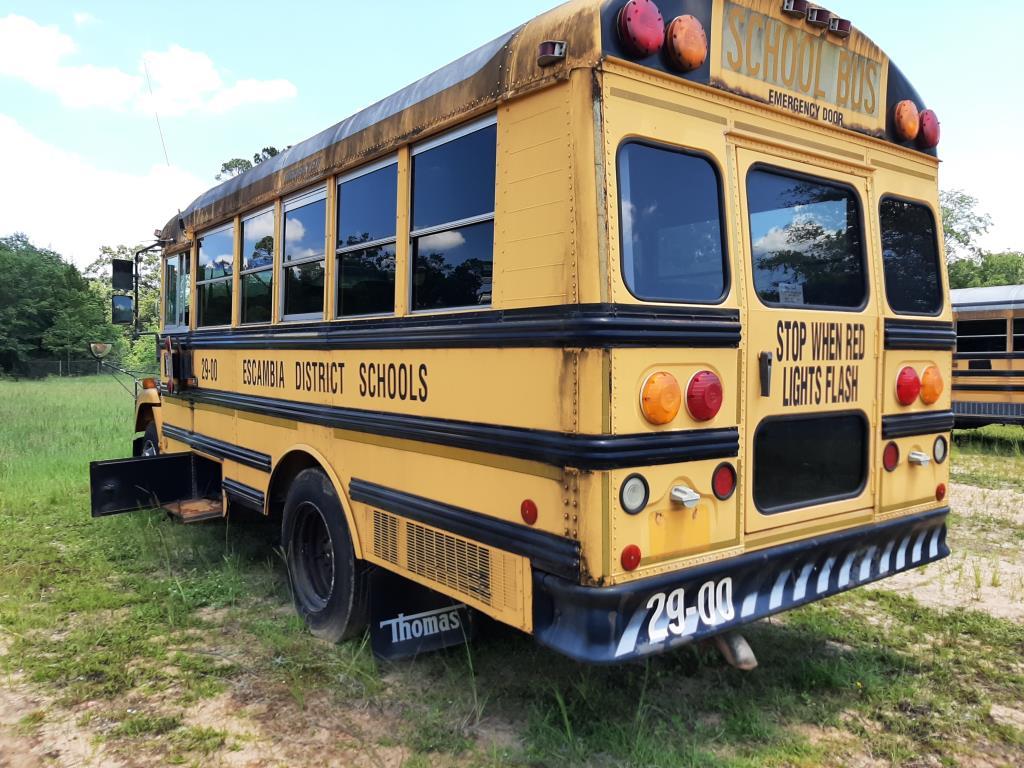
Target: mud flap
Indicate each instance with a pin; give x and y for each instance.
(407, 619)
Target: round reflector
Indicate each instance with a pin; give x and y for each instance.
(641, 28)
(528, 509)
(634, 494)
(687, 43)
(704, 396)
(931, 385)
(906, 121)
(723, 481)
(929, 133)
(630, 557)
(891, 457)
(660, 398)
(940, 491)
(940, 450)
(908, 386)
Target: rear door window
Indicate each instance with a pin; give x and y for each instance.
(806, 241)
(807, 460)
(911, 256)
(671, 222)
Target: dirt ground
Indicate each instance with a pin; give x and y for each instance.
(986, 573)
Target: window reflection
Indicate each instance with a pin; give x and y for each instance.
(258, 241)
(911, 257)
(216, 254)
(671, 225)
(453, 268)
(305, 228)
(806, 241)
(304, 231)
(366, 281)
(257, 296)
(455, 181)
(367, 212)
(213, 284)
(304, 289)
(257, 267)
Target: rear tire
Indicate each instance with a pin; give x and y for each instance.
(151, 440)
(329, 586)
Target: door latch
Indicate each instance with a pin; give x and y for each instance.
(765, 364)
(919, 458)
(687, 497)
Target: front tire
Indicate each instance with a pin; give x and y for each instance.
(329, 586)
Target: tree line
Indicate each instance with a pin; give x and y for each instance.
(50, 310)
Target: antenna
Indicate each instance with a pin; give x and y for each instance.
(160, 130)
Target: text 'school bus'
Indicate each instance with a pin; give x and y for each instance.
(626, 329)
(988, 367)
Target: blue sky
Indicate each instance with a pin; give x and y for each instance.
(231, 78)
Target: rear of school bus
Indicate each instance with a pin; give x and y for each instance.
(764, 208)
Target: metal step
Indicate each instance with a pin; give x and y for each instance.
(195, 510)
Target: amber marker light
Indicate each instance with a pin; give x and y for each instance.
(931, 385)
(687, 43)
(149, 383)
(661, 398)
(906, 121)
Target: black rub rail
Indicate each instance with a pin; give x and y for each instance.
(546, 551)
(247, 495)
(572, 325)
(912, 424)
(219, 448)
(560, 449)
(919, 334)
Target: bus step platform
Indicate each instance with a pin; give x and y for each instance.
(195, 510)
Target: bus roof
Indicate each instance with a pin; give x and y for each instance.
(989, 299)
(855, 86)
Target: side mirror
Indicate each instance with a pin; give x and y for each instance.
(122, 310)
(100, 349)
(123, 275)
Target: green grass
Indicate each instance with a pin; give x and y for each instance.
(991, 457)
(129, 624)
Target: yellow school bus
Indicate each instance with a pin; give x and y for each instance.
(988, 374)
(626, 329)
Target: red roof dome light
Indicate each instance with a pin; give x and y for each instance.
(641, 28)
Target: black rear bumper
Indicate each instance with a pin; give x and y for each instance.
(603, 625)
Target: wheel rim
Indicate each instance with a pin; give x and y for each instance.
(313, 558)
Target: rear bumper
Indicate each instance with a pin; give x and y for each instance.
(604, 625)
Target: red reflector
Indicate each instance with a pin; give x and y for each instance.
(641, 28)
(528, 509)
(630, 557)
(704, 396)
(908, 386)
(940, 491)
(723, 481)
(928, 136)
(891, 457)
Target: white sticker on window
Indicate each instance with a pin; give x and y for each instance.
(791, 293)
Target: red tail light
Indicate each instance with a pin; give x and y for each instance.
(641, 28)
(891, 457)
(704, 396)
(928, 136)
(528, 509)
(723, 481)
(940, 492)
(908, 386)
(630, 557)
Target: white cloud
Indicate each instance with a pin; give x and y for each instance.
(182, 80)
(82, 18)
(443, 241)
(91, 206)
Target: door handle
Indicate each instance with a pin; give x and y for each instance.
(765, 364)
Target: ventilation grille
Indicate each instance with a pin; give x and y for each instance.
(385, 536)
(482, 575)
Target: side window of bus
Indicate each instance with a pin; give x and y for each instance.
(453, 219)
(258, 267)
(305, 232)
(671, 224)
(806, 241)
(213, 280)
(1018, 334)
(911, 256)
(981, 335)
(367, 215)
(176, 291)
